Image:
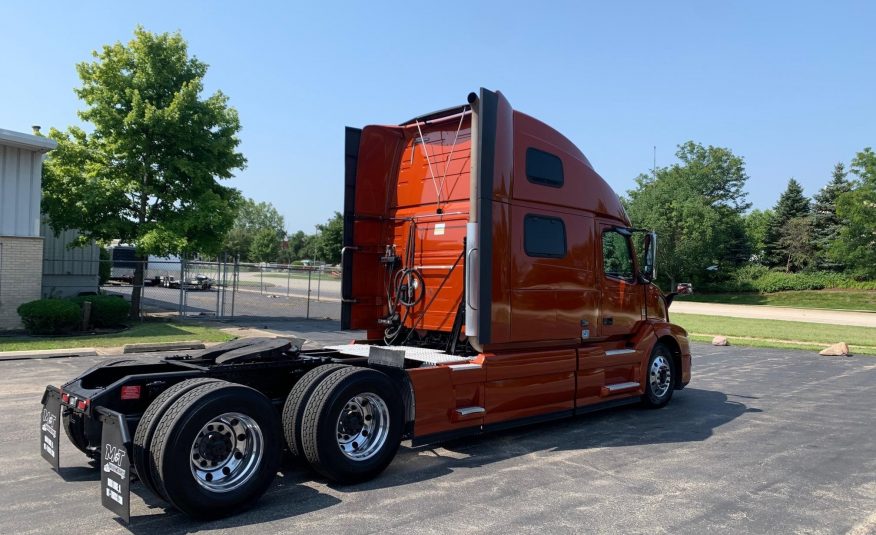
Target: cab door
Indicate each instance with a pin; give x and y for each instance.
(622, 298)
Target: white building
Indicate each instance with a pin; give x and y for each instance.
(21, 246)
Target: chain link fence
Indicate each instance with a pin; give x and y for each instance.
(221, 289)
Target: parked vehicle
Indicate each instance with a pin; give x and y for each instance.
(493, 272)
(198, 282)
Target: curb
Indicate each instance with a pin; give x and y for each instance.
(48, 354)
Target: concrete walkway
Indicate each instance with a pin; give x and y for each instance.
(808, 315)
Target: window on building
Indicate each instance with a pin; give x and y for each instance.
(544, 168)
(617, 259)
(544, 236)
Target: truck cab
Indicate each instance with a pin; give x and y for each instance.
(508, 252)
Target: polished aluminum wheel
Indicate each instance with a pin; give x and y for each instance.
(363, 426)
(660, 376)
(227, 452)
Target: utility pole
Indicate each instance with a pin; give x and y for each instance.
(654, 168)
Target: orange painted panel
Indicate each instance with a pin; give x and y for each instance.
(525, 384)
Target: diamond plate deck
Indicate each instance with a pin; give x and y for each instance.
(419, 354)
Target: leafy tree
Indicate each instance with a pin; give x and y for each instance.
(695, 208)
(756, 224)
(715, 173)
(253, 217)
(791, 204)
(265, 246)
(826, 224)
(329, 239)
(146, 170)
(298, 245)
(856, 242)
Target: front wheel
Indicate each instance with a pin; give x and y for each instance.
(659, 378)
(352, 425)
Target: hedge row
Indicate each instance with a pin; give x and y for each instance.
(761, 279)
(54, 316)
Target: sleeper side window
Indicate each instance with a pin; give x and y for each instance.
(617, 259)
(544, 236)
(544, 168)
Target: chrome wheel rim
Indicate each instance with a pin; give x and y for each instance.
(660, 376)
(363, 426)
(226, 452)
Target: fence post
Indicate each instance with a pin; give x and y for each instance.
(309, 272)
(319, 281)
(262, 279)
(234, 277)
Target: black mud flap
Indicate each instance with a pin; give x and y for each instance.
(50, 426)
(115, 464)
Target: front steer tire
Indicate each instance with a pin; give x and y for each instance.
(217, 449)
(659, 378)
(352, 425)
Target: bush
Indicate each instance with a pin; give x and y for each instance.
(756, 278)
(49, 316)
(106, 310)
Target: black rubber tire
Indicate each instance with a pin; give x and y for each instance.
(74, 423)
(176, 431)
(651, 399)
(319, 424)
(74, 426)
(296, 402)
(142, 441)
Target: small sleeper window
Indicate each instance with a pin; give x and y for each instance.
(544, 168)
(544, 236)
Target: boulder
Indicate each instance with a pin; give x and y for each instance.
(720, 341)
(836, 350)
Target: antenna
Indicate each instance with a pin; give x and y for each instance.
(654, 169)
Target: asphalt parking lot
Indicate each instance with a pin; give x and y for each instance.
(762, 441)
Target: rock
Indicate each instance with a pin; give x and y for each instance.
(720, 341)
(836, 350)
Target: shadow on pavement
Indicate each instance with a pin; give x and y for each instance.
(693, 415)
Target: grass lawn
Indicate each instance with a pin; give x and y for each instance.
(774, 333)
(151, 332)
(831, 299)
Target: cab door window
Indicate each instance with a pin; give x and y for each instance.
(617, 258)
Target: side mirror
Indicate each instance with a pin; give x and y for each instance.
(649, 266)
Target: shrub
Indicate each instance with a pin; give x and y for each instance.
(49, 316)
(106, 310)
(756, 278)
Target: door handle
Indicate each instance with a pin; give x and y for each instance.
(608, 320)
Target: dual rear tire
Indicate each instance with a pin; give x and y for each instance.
(209, 447)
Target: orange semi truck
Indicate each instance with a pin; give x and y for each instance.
(493, 272)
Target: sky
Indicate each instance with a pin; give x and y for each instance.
(789, 86)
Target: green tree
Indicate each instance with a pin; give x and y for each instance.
(826, 224)
(756, 224)
(796, 243)
(265, 246)
(146, 170)
(856, 242)
(329, 240)
(252, 217)
(695, 207)
(791, 204)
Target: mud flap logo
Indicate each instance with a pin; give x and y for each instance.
(114, 456)
(49, 420)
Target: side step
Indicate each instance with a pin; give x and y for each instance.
(618, 388)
